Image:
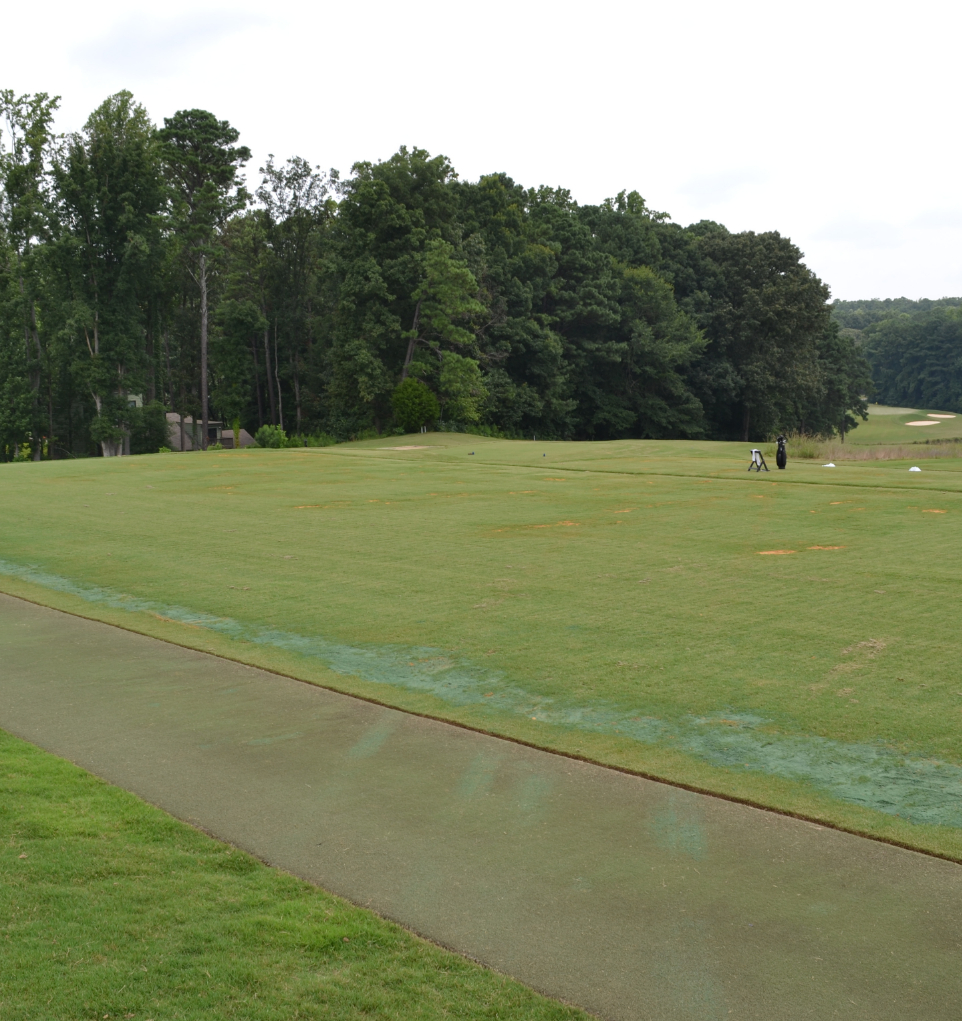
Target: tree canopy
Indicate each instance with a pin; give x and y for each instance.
(914, 348)
(140, 276)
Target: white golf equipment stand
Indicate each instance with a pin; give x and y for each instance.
(757, 462)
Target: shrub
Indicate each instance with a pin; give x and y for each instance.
(270, 436)
(414, 405)
(317, 440)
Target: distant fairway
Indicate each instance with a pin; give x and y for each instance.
(607, 599)
(890, 425)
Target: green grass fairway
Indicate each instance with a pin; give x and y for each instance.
(888, 425)
(111, 909)
(788, 638)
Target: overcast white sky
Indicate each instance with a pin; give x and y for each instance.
(836, 123)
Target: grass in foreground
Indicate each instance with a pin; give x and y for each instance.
(623, 575)
(112, 909)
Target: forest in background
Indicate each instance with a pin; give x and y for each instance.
(914, 348)
(139, 276)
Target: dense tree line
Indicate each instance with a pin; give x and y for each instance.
(914, 349)
(857, 315)
(138, 277)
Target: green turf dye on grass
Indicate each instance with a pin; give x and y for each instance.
(921, 790)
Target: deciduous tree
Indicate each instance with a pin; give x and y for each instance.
(202, 164)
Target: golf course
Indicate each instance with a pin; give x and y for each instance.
(784, 639)
(781, 639)
(460, 574)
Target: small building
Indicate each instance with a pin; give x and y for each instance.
(185, 434)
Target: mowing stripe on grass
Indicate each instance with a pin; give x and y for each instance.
(871, 775)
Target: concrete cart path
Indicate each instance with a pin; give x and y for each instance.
(628, 897)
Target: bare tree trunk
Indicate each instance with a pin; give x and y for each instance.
(151, 373)
(170, 387)
(108, 448)
(270, 382)
(297, 391)
(412, 341)
(37, 378)
(202, 279)
(194, 441)
(30, 333)
(183, 444)
(277, 380)
(257, 385)
(745, 420)
(50, 447)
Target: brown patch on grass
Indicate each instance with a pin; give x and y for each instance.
(872, 647)
(528, 528)
(774, 552)
(864, 652)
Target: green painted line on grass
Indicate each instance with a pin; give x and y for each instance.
(921, 790)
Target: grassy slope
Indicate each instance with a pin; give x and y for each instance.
(885, 427)
(624, 573)
(112, 909)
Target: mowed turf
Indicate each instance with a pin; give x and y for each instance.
(890, 425)
(650, 605)
(111, 909)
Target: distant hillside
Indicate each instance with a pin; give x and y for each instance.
(856, 315)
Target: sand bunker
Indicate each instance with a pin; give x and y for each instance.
(421, 447)
(924, 421)
(774, 552)
(930, 415)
